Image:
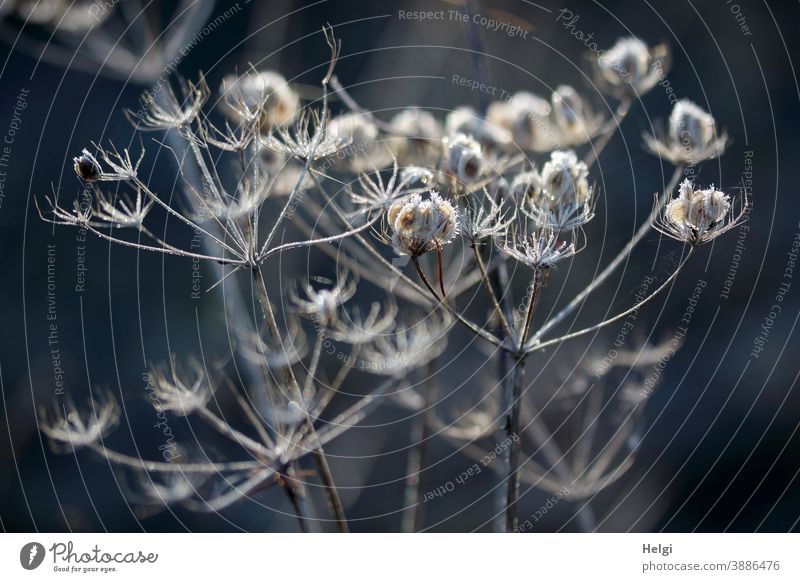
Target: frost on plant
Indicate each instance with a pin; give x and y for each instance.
(448, 215)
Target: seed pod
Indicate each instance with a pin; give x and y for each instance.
(87, 167)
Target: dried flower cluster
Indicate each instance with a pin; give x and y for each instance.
(461, 197)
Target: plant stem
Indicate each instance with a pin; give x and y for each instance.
(297, 496)
(614, 264)
(319, 454)
(514, 443)
(414, 514)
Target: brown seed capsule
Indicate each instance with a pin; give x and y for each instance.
(87, 167)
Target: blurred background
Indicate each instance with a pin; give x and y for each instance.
(720, 451)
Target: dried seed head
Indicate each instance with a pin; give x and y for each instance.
(166, 110)
(181, 391)
(526, 117)
(464, 158)
(692, 138)
(691, 126)
(363, 152)
(565, 200)
(322, 305)
(564, 179)
(574, 120)
(526, 188)
(418, 225)
(69, 428)
(87, 167)
(538, 249)
(465, 120)
(630, 68)
(697, 216)
(488, 219)
(264, 95)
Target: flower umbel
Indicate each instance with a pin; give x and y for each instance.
(630, 68)
(698, 216)
(693, 136)
(418, 226)
(564, 198)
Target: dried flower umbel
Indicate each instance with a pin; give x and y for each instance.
(697, 216)
(421, 225)
(629, 69)
(561, 198)
(261, 95)
(463, 159)
(469, 204)
(528, 119)
(693, 136)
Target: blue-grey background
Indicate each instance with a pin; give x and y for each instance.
(724, 452)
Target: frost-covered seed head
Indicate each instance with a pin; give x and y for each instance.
(568, 107)
(363, 150)
(692, 138)
(265, 94)
(698, 210)
(526, 187)
(697, 216)
(627, 62)
(564, 179)
(418, 225)
(87, 167)
(417, 136)
(464, 158)
(465, 120)
(525, 116)
(690, 126)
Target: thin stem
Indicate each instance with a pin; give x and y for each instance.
(319, 453)
(594, 153)
(322, 240)
(532, 347)
(490, 289)
(468, 324)
(514, 443)
(614, 264)
(537, 282)
(441, 270)
(297, 496)
(320, 132)
(414, 514)
(334, 501)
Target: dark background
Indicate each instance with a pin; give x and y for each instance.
(722, 452)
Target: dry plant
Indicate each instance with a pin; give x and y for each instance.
(438, 213)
